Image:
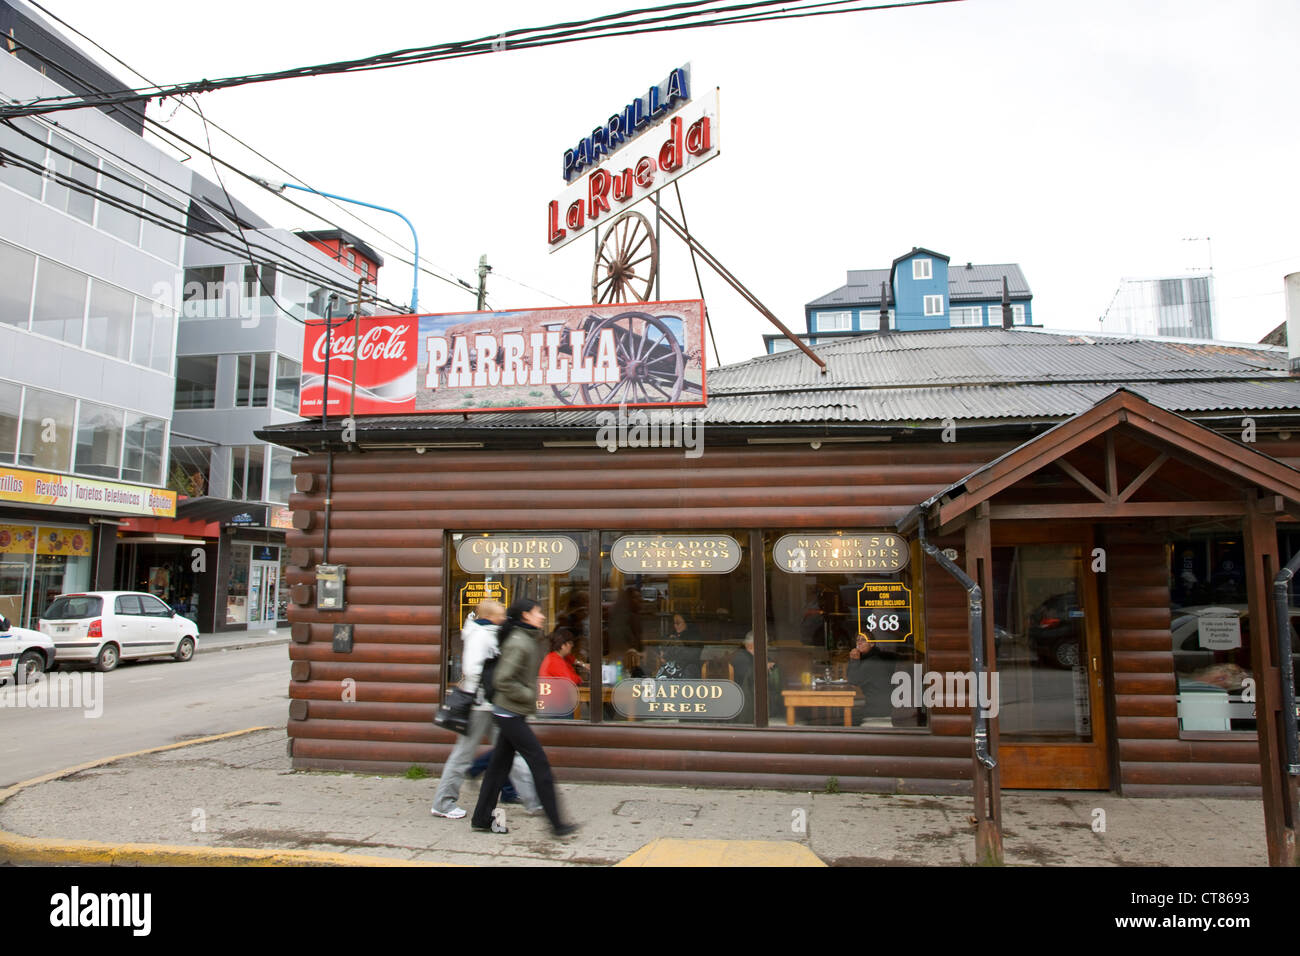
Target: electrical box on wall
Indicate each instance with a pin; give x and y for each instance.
(330, 579)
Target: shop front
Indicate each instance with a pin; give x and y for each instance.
(783, 610)
(58, 534)
(39, 561)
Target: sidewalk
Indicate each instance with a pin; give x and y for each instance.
(237, 640)
(235, 799)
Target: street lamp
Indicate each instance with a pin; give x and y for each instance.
(276, 187)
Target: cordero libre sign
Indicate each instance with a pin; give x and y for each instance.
(599, 356)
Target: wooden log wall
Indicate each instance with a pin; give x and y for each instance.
(1153, 759)
(372, 709)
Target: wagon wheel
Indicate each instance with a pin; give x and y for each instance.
(651, 363)
(625, 265)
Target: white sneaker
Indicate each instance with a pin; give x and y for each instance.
(455, 813)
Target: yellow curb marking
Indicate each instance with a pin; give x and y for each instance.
(21, 849)
(676, 852)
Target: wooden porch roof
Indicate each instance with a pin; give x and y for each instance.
(1166, 466)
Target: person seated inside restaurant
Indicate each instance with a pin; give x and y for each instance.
(680, 651)
(560, 662)
(870, 671)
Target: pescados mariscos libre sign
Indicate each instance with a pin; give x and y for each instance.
(675, 554)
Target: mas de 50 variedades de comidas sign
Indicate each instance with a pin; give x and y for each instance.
(593, 356)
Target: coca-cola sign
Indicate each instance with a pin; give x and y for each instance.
(631, 354)
(378, 342)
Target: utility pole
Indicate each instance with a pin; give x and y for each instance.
(483, 270)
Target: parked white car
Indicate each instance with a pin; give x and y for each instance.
(105, 627)
(24, 654)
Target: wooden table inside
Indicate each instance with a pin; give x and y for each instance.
(801, 697)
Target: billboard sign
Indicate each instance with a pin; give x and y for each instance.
(593, 356)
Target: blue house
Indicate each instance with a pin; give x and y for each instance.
(923, 290)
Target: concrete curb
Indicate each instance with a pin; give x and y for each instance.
(15, 848)
(240, 645)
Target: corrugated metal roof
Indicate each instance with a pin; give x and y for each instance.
(922, 378)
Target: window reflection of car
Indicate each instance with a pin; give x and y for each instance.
(1055, 630)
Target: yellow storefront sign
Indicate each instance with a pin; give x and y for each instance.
(84, 494)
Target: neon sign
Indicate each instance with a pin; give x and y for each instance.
(633, 120)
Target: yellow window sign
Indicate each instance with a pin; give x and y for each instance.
(885, 612)
(475, 591)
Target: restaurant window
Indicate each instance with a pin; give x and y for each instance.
(1210, 630)
(842, 620)
(676, 608)
(552, 568)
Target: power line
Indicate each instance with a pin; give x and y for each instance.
(603, 27)
(286, 266)
(161, 130)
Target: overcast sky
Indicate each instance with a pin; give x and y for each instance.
(1085, 141)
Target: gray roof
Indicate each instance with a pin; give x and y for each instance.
(976, 375)
(965, 284)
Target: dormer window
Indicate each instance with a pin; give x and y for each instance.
(921, 269)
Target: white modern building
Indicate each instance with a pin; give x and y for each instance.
(91, 223)
(1178, 306)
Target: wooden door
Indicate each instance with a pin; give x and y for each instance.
(1052, 718)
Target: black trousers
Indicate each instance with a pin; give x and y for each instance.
(515, 737)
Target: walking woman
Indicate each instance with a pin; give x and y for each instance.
(515, 699)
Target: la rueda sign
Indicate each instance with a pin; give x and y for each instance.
(599, 356)
(687, 137)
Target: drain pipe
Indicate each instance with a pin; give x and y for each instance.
(975, 602)
(1286, 668)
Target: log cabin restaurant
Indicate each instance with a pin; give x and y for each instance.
(1123, 505)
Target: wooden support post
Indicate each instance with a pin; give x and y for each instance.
(1260, 527)
(988, 783)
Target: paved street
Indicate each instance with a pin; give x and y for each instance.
(148, 704)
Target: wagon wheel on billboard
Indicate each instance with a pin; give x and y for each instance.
(626, 261)
(651, 363)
